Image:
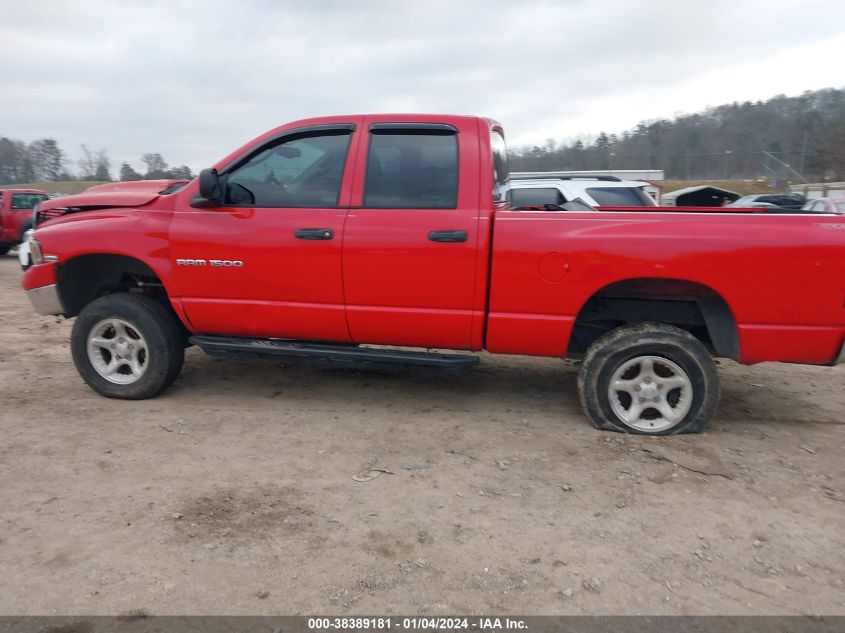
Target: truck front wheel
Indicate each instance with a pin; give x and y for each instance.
(649, 378)
(127, 346)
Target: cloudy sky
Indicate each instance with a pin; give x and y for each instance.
(194, 80)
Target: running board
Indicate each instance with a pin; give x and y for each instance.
(232, 346)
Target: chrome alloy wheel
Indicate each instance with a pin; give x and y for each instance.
(117, 351)
(650, 393)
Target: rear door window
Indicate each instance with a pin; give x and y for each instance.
(412, 169)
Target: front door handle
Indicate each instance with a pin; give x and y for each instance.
(313, 234)
(448, 236)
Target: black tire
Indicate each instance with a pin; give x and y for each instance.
(5, 248)
(624, 347)
(153, 322)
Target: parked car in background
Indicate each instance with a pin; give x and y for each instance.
(780, 200)
(16, 207)
(596, 191)
(826, 205)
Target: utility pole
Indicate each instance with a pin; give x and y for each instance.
(727, 154)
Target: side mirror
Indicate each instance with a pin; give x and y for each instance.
(210, 191)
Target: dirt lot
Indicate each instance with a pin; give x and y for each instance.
(233, 492)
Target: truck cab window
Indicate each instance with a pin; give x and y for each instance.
(299, 172)
(412, 171)
(26, 201)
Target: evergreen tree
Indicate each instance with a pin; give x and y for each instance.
(127, 173)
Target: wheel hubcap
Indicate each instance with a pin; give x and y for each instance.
(650, 393)
(117, 351)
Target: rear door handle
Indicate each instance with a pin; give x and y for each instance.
(448, 236)
(313, 234)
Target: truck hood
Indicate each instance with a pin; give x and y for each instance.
(141, 186)
(110, 196)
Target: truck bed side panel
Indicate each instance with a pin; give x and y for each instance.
(783, 277)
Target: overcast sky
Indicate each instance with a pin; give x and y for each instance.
(195, 80)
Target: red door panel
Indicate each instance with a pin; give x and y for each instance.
(287, 287)
(402, 287)
(267, 262)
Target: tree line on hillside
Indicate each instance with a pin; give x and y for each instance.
(782, 138)
(44, 160)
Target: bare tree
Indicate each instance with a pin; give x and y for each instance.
(156, 165)
(87, 164)
(102, 164)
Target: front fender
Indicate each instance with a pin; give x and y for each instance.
(138, 234)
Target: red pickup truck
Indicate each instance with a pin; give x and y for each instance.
(16, 207)
(333, 237)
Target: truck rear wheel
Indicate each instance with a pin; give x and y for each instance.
(650, 379)
(4, 249)
(127, 346)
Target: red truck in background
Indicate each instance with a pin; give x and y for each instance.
(16, 207)
(332, 236)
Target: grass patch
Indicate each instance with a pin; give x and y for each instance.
(60, 186)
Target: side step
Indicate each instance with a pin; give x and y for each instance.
(233, 346)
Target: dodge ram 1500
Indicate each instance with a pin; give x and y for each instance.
(333, 237)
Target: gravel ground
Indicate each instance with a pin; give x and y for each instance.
(233, 493)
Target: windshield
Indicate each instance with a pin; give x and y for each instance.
(27, 201)
(620, 197)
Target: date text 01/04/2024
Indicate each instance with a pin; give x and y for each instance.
(417, 623)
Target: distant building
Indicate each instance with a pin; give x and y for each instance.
(815, 190)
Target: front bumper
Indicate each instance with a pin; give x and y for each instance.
(46, 300)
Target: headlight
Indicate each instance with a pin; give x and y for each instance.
(35, 253)
(23, 250)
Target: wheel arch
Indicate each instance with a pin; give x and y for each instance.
(687, 304)
(86, 277)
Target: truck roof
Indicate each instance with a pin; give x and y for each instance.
(524, 183)
(14, 190)
(337, 119)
